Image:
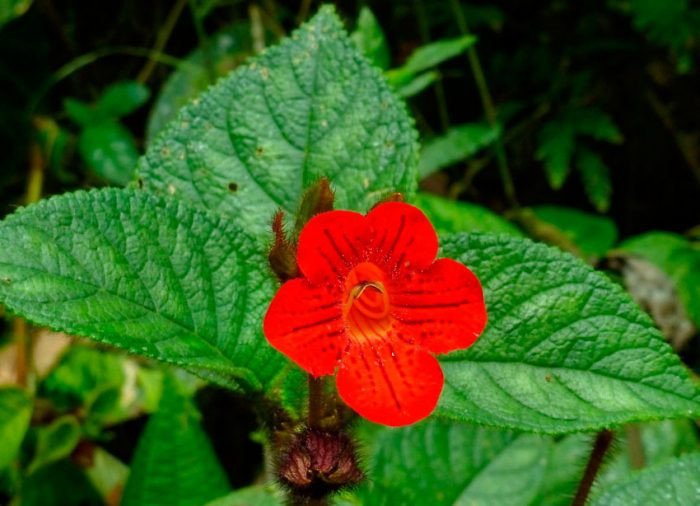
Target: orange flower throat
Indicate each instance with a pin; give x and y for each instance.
(366, 304)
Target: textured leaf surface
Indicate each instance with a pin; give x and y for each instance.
(678, 258)
(310, 107)
(174, 463)
(460, 142)
(676, 483)
(448, 216)
(144, 273)
(594, 235)
(565, 348)
(457, 464)
(15, 412)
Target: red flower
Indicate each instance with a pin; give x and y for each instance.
(375, 303)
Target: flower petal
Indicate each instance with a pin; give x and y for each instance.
(402, 237)
(305, 323)
(441, 308)
(331, 244)
(391, 383)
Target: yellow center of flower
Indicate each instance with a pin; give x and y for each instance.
(366, 304)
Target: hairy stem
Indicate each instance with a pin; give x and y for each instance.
(600, 447)
(315, 401)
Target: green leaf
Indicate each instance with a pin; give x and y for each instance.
(174, 463)
(437, 462)
(678, 258)
(565, 348)
(81, 113)
(109, 150)
(594, 123)
(565, 465)
(122, 98)
(11, 9)
(429, 56)
(15, 413)
(448, 216)
(417, 84)
(55, 441)
(595, 176)
(460, 142)
(675, 483)
(80, 376)
(555, 149)
(147, 274)
(370, 38)
(59, 484)
(594, 235)
(309, 107)
(223, 52)
(255, 495)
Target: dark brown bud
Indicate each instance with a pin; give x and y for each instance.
(282, 255)
(319, 463)
(318, 198)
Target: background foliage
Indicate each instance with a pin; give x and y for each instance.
(572, 124)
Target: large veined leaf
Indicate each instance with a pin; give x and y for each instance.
(15, 412)
(174, 463)
(145, 273)
(312, 106)
(676, 483)
(459, 464)
(565, 348)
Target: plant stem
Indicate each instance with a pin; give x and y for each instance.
(438, 87)
(203, 41)
(315, 401)
(162, 39)
(35, 183)
(489, 109)
(257, 31)
(19, 334)
(635, 446)
(600, 446)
